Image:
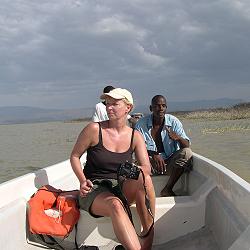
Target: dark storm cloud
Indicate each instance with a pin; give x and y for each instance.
(54, 50)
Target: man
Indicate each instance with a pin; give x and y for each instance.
(100, 113)
(167, 143)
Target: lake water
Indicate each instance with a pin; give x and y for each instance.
(25, 148)
(226, 142)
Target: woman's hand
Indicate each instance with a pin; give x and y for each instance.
(85, 187)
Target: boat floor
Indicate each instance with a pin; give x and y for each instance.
(199, 240)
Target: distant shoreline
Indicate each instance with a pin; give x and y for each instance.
(87, 119)
(236, 112)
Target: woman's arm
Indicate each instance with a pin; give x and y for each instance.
(141, 153)
(86, 139)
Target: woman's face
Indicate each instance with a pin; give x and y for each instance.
(116, 108)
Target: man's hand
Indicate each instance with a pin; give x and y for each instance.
(184, 143)
(85, 187)
(159, 163)
(172, 135)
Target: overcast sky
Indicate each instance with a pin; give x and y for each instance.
(61, 53)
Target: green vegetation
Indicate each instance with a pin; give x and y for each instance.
(236, 112)
(225, 129)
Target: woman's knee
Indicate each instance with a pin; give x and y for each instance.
(148, 181)
(115, 206)
(145, 180)
(132, 188)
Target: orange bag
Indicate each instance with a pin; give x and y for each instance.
(52, 211)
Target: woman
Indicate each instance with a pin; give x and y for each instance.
(108, 145)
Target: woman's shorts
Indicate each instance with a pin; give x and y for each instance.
(99, 186)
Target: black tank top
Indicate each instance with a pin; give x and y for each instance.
(102, 163)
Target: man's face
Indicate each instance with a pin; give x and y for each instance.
(159, 107)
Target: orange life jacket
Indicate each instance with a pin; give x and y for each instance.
(52, 212)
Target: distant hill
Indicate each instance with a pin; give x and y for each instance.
(193, 105)
(22, 114)
(203, 104)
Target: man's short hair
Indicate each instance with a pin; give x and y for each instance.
(156, 97)
(107, 89)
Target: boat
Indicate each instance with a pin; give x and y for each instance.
(211, 211)
(137, 115)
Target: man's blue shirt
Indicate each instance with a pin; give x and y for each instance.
(145, 125)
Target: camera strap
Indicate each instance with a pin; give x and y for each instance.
(127, 207)
(147, 204)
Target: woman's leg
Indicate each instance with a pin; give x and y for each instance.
(135, 192)
(106, 204)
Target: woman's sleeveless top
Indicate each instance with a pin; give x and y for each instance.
(102, 163)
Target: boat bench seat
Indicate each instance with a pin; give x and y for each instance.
(186, 185)
(184, 214)
(68, 182)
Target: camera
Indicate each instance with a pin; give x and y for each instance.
(129, 171)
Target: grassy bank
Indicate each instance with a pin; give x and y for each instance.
(236, 112)
(239, 111)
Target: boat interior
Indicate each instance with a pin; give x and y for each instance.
(211, 211)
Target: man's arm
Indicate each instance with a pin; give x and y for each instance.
(184, 143)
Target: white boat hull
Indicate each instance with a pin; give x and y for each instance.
(212, 197)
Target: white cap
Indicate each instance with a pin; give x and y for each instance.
(118, 94)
